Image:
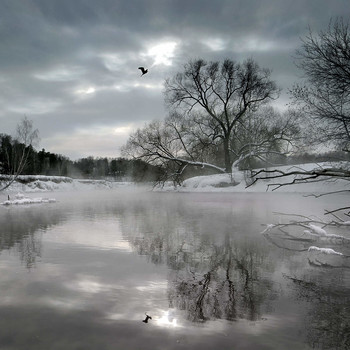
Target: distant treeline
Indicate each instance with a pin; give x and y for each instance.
(52, 164)
(47, 163)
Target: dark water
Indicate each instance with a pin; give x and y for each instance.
(81, 274)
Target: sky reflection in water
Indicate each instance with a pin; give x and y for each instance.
(83, 272)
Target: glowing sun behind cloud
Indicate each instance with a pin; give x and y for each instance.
(162, 53)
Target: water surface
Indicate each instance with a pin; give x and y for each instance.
(83, 272)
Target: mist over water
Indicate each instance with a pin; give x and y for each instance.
(82, 273)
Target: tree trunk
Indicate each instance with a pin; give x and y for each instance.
(228, 162)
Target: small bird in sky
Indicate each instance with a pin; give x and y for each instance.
(147, 318)
(143, 70)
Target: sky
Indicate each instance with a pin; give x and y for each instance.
(72, 66)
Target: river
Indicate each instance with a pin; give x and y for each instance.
(83, 273)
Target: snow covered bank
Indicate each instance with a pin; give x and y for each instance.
(20, 199)
(41, 183)
(238, 182)
(31, 178)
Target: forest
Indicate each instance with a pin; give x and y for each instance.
(52, 164)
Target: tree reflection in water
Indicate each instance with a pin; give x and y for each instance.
(328, 322)
(325, 287)
(21, 231)
(225, 285)
(228, 275)
(211, 280)
(217, 268)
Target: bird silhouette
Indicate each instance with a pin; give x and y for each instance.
(147, 318)
(143, 70)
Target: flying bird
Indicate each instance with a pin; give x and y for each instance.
(143, 70)
(147, 318)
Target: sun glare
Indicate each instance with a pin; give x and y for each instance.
(167, 320)
(163, 53)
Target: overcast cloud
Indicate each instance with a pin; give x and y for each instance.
(71, 66)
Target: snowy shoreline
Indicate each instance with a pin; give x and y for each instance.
(21, 199)
(210, 183)
(237, 182)
(42, 183)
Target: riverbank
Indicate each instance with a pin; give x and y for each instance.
(236, 182)
(42, 183)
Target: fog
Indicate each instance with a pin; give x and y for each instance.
(84, 271)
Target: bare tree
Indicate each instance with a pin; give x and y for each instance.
(325, 99)
(183, 140)
(325, 96)
(265, 135)
(325, 58)
(225, 92)
(217, 120)
(296, 175)
(26, 137)
(166, 144)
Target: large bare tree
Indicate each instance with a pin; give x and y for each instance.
(224, 92)
(324, 59)
(183, 140)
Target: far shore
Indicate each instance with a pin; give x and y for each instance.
(236, 182)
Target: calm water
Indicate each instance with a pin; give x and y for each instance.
(83, 272)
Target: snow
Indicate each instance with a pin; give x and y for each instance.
(21, 199)
(211, 183)
(327, 251)
(345, 223)
(237, 182)
(45, 184)
(268, 228)
(40, 183)
(318, 230)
